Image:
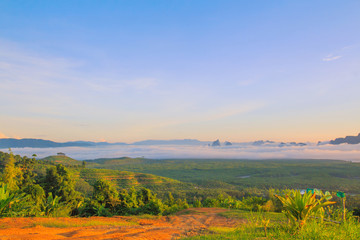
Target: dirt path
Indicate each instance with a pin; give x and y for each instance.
(189, 222)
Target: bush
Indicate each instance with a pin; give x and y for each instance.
(93, 208)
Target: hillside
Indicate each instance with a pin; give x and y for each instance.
(241, 174)
(94, 170)
(126, 179)
(64, 160)
(115, 162)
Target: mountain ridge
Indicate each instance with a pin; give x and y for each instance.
(41, 143)
(347, 139)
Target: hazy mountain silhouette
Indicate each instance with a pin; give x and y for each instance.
(171, 142)
(347, 139)
(41, 143)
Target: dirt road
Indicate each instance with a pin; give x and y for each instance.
(189, 222)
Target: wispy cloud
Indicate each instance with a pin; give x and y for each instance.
(25, 71)
(339, 53)
(331, 58)
(40, 84)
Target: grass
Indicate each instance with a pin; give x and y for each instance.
(240, 214)
(146, 216)
(190, 211)
(3, 226)
(278, 228)
(53, 223)
(222, 230)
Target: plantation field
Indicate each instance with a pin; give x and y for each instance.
(85, 176)
(235, 174)
(126, 179)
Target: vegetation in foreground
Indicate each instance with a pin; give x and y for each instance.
(29, 187)
(276, 226)
(23, 192)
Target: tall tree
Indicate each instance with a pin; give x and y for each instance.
(104, 192)
(59, 182)
(11, 174)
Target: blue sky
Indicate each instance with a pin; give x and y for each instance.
(134, 70)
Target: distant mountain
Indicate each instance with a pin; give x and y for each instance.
(41, 143)
(216, 143)
(262, 142)
(281, 144)
(323, 143)
(171, 142)
(347, 139)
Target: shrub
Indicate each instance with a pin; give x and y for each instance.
(298, 208)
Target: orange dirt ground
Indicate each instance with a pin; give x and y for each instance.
(194, 221)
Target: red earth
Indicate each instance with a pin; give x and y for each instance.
(189, 222)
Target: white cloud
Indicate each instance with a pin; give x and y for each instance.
(339, 53)
(331, 58)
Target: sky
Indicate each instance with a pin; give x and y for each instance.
(124, 71)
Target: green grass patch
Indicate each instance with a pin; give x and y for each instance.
(222, 230)
(240, 214)
(51, 223)
(146, 216)
(258, 227)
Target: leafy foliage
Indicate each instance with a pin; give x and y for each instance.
(49, 188)
(299, 207)
(7, 199)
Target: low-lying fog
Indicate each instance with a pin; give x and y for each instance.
(249, 151)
